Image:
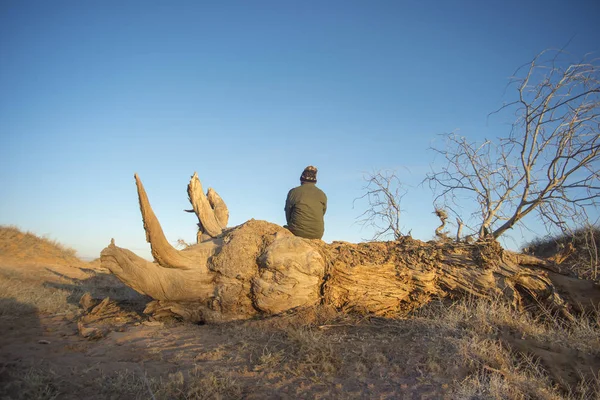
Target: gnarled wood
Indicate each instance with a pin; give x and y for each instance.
(158, 282)
(218, 206)
(409, 273)
(210, 209)
(289, 275)
(262, 268)
(162, 251)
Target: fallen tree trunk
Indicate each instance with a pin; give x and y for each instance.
(262, 268)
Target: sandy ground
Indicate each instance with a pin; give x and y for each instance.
(269, 358)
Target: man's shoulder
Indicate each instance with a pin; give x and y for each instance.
(293, 192)
(315, 192)
(320, 191)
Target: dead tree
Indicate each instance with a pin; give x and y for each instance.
(384, 192)
(548, 163)
(259, 268)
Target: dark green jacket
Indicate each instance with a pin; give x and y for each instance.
(305, 207)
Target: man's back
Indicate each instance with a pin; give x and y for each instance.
(305, 208)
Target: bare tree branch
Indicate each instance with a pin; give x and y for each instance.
(547, 164)
(384, 192)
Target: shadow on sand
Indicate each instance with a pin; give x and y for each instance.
(99, 286)
(16, 318)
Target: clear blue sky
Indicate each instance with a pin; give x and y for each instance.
(248, 93)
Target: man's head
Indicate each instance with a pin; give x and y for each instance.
(309, 175)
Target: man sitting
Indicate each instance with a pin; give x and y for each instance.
(305, 207)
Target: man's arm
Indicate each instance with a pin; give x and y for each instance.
(288, 208)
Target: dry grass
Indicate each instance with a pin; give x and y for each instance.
(21, 293)
(470, 349)
(510, 354)
(585, 260)
(38, 384)
(31, 384)
(133, 384)
(195, 384)
(32, 283)
(465, 350)
(25, 245)
(20, 296)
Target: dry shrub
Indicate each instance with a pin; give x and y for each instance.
(509, 354)
(586, 256)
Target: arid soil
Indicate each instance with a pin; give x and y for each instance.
(308, 354)
(51, 346)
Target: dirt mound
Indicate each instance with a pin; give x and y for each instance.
(16, 245)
